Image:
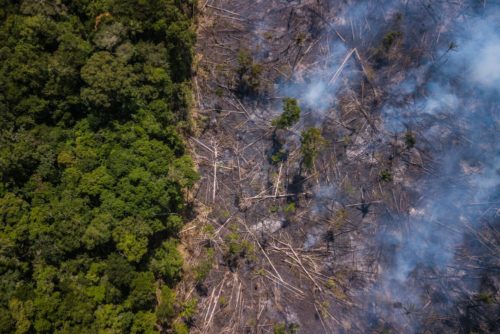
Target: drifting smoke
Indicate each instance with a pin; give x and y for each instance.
(317, 88)
(449, 98)
(454, 107)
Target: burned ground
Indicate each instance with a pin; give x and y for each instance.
(394, 228)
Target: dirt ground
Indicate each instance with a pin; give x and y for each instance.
(277, 247)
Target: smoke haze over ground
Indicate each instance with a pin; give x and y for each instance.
(449, 98)
(398, 220)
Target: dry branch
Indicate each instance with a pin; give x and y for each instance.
(341, 67)
(276, 196)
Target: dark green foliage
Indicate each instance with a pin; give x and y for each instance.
(279, 152)
(205, 265)
(165, 310)
(236, 249)
(166, 262)
(485, 297)
(385, 175)
(290, 115)
(410, 140)
(142, 291)
(280, 156)
(284, 328)
(289, 208)
(180, 328)
(248, 74)
(311, 143)
(144, 323)
(94, 96)
(189, 309)
(381, 53)
(7, 323)
(390, 38)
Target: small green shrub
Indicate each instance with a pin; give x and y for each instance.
(289, 208)
(208, 229)
(485, 297)
(204, 266)
(248, 73)
(237, 248)
(410, 140)
(189, 309)
(300, 38)
(280, 329)
(180, 328)
(268, 35)
(166, 309)
(385, 175)
(219, 92)
(290, 115)
(283, 328)
(274, 209)
(390, 38)
(311, 142)
(380, 53)
(222, 301)
(280, 156)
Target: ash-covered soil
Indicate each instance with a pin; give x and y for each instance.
(394, 227)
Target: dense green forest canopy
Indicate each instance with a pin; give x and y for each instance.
(94, 98)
